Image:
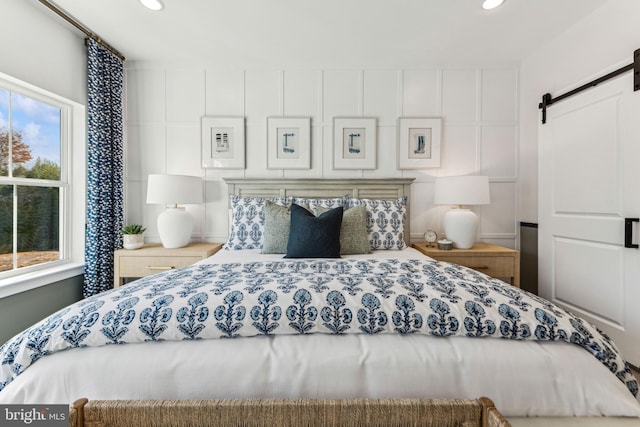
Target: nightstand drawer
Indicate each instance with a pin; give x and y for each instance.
(492, 266)
(153, 258)
(145, 266)
(492, 260)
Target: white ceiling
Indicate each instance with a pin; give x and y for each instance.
(328, 33)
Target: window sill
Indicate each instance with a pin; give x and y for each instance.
(24, 282)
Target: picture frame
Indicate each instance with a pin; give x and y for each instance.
(419, 142)
(354, 143)
(223, 142)
(288, 142)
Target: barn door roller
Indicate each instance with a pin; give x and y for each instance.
(548, 100)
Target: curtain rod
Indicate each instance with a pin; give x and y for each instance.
(82, 28)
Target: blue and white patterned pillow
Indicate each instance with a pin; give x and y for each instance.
(315, 203)
(385, 222)
(247, 221)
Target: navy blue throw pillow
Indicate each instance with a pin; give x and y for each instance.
(313, 236)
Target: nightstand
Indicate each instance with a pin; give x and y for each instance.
(154, 258)
(493, 260)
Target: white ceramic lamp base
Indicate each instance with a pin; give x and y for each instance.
(460, 227)
(175, 226)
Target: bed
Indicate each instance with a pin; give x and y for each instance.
(389, 324)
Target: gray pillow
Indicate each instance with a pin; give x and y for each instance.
(354, 238)
(277, 221)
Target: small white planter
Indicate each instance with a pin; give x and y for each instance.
(132, 241)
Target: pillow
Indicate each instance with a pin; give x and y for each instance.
(385, 222)
(247, 221)
(314, 203)
(354, 238)
(313, 236)
(277, 221)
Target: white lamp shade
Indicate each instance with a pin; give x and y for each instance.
(174, 189)
(174, 224)
(460, 225)
(462, 190)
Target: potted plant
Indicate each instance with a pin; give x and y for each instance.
(133, 236)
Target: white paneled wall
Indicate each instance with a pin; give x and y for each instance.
(478, 105)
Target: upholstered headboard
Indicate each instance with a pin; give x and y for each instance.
(384, 189)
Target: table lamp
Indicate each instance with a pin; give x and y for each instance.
(175, 223)
(460, 224)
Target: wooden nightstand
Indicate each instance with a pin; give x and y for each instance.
(493, 260)
(153, 258)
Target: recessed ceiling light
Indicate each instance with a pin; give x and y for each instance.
(152, 4)
(491, 4)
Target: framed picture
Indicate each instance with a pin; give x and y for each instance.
(223, 142)
(419, 143)
(354, 143)
(288, 143)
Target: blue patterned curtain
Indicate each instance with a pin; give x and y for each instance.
(104, 167)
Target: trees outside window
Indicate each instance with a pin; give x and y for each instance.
(32, 182)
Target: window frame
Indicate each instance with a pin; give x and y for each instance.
(72, 184)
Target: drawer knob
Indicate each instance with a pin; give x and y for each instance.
(160, 267)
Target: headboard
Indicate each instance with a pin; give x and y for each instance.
(384, 188)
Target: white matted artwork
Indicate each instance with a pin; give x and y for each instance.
(419, 141)
(354, 143)
(289, 143)
(223, 142)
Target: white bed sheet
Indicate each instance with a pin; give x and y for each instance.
(522, 378)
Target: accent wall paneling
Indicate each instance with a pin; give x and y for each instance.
(145, 99)
(301, 93)
(459, 149)
(459, 95)
(499, 151)
(477, 104)
(341, 93)
(421, 93)
(499, 89)
(224, 93)
(185, 94)
(381, 96)
(262, 96)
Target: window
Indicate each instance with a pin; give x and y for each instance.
(42, 186)
(33, 180)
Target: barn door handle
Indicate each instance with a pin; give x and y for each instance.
(628, 232)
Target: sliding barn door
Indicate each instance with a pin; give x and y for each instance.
(589, 183)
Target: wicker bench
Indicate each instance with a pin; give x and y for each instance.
(283, 413)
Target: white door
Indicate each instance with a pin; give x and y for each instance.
(589, 182)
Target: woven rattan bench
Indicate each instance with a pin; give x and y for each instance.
(283, 413)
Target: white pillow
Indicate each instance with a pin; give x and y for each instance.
(247, 221)
(315, 203)
(385, 222)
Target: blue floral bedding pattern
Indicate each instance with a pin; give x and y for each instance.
(304, 296)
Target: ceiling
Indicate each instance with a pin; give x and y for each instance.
(327, 33)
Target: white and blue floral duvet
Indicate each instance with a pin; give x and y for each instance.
(342, 296)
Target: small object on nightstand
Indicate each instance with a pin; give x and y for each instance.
(445, 245)
(133, 236)
(430, 237)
